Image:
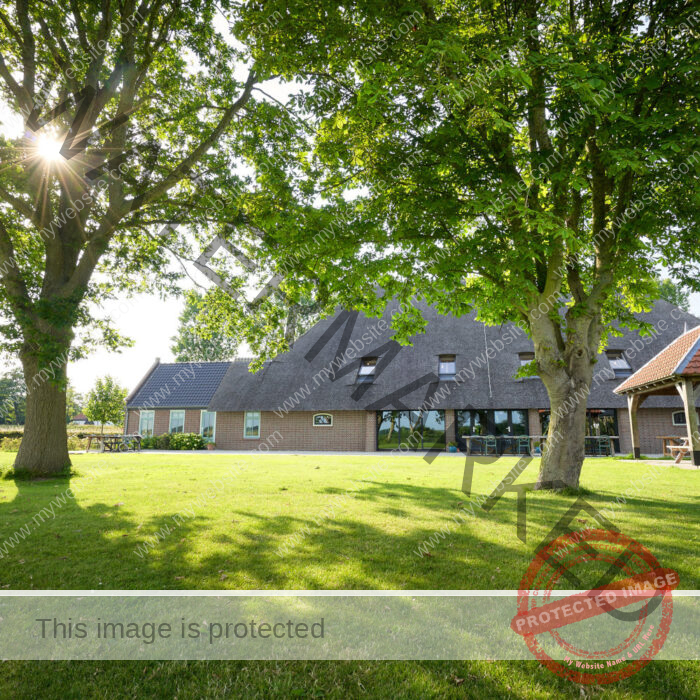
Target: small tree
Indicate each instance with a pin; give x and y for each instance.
(13, 398)
(74, 402)
(105, 402)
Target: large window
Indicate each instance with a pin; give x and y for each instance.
(177, 422)
(447, 367)
(251, 424)
(505, 422)
(365, 373)
(146, 419)
(618, 363)
(207, 425)
(599, 422)
(411, 430)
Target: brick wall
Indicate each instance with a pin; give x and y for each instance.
(351, 430)
(356, 430)
(295, 431)
(370, 431)
(534, 423)
(653, 422)
(161, 420)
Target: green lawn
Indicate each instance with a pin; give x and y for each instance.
(338, 522)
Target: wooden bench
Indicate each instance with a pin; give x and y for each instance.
(683, 449)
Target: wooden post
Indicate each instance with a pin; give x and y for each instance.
(685, 389)
(632, 406)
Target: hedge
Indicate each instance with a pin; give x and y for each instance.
(174, 441)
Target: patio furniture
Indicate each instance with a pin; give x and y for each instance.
(683, 449)
(667, 441)
(523, 445)
(602, 446)
(115, 443)
(490, 445)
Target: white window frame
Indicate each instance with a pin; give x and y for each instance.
(366, 372)
(448, 375)
(152, 415)
(245, 424)
(673, 419)
(319, 425)
(201, 425)
(170, 421)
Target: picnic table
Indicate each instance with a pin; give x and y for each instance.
(115, 443)
(683, 449)
(669, 440)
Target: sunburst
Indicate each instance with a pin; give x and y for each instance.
(48, 147)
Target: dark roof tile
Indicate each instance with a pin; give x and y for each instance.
(292, 382)
(180, 385)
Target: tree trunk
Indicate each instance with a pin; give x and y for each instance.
(562, 457)
(44, 446)
(565, 362)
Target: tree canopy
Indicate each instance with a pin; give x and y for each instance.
(105, 401)
(193, 343)
(535, 160)
(138, 127)
(674, 293)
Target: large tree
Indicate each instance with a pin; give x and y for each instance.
(134, 121)
(532, 159)
(193, 342)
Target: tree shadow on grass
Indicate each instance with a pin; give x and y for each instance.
(399, 545)
(465, 680)
(48, 540)
(93, 547)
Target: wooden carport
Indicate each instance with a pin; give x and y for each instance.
(675, 370)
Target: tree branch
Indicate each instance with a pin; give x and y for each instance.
(183, 168)
(20, 206)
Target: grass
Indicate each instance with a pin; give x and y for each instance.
(299, 506)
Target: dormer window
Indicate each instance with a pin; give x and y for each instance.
(618, 363)
(447, 367)
(365, 374)
(526, 358)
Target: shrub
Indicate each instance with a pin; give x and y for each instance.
(187, 441)
(147, 443)
(174, 441)
(10, 444)
(76, 442)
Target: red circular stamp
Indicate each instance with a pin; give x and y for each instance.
(615, 626)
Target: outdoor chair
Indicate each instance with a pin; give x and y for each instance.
(490, 445)
(523, 446)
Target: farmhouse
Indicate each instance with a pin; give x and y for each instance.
(346, 385)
